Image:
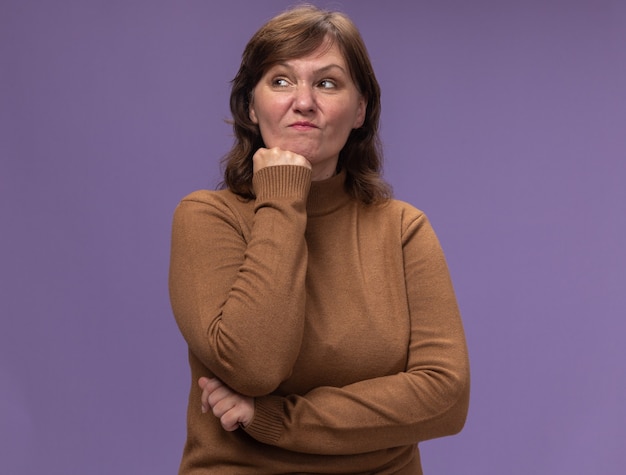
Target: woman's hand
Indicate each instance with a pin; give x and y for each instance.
(231, 408)
(268, 157)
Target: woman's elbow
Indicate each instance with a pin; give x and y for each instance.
(459, 394)
(253, 377)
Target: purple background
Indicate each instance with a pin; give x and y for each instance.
(504, 120)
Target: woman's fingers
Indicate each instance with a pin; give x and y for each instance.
(209, 386)
(268, 157)
(221, 400)
(230, 407)
(234, 411)
(231, 420)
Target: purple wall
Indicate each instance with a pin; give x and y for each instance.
(504, 121)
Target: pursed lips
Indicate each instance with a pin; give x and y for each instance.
(303, 125)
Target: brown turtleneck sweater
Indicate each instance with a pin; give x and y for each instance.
(339, 318)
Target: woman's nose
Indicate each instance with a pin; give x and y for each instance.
(304, 100)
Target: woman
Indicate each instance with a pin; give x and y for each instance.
(323, 331)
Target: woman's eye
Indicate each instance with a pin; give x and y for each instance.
(327, 84)
(280, 82)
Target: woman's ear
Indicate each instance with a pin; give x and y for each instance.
(252, 112)
(360, 113)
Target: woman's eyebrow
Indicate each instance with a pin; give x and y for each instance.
(329, 67)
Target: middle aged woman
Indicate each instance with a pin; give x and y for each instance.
(323, 331)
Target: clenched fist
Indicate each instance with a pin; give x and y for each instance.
(268, 157)
(231, 408)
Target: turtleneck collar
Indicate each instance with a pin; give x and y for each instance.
(326, 196)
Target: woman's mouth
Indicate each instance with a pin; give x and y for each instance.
(303, 125)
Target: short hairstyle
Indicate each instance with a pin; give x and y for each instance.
(295, 33)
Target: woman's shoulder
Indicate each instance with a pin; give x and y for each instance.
(400, 209)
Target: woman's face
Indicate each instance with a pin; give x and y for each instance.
(308, 106)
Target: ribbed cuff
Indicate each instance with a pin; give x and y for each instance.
(282, 181)
(267, 424)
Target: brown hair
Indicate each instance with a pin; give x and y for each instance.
(293, 34)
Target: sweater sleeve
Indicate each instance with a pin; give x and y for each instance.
(429, 399)
(238, 297)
